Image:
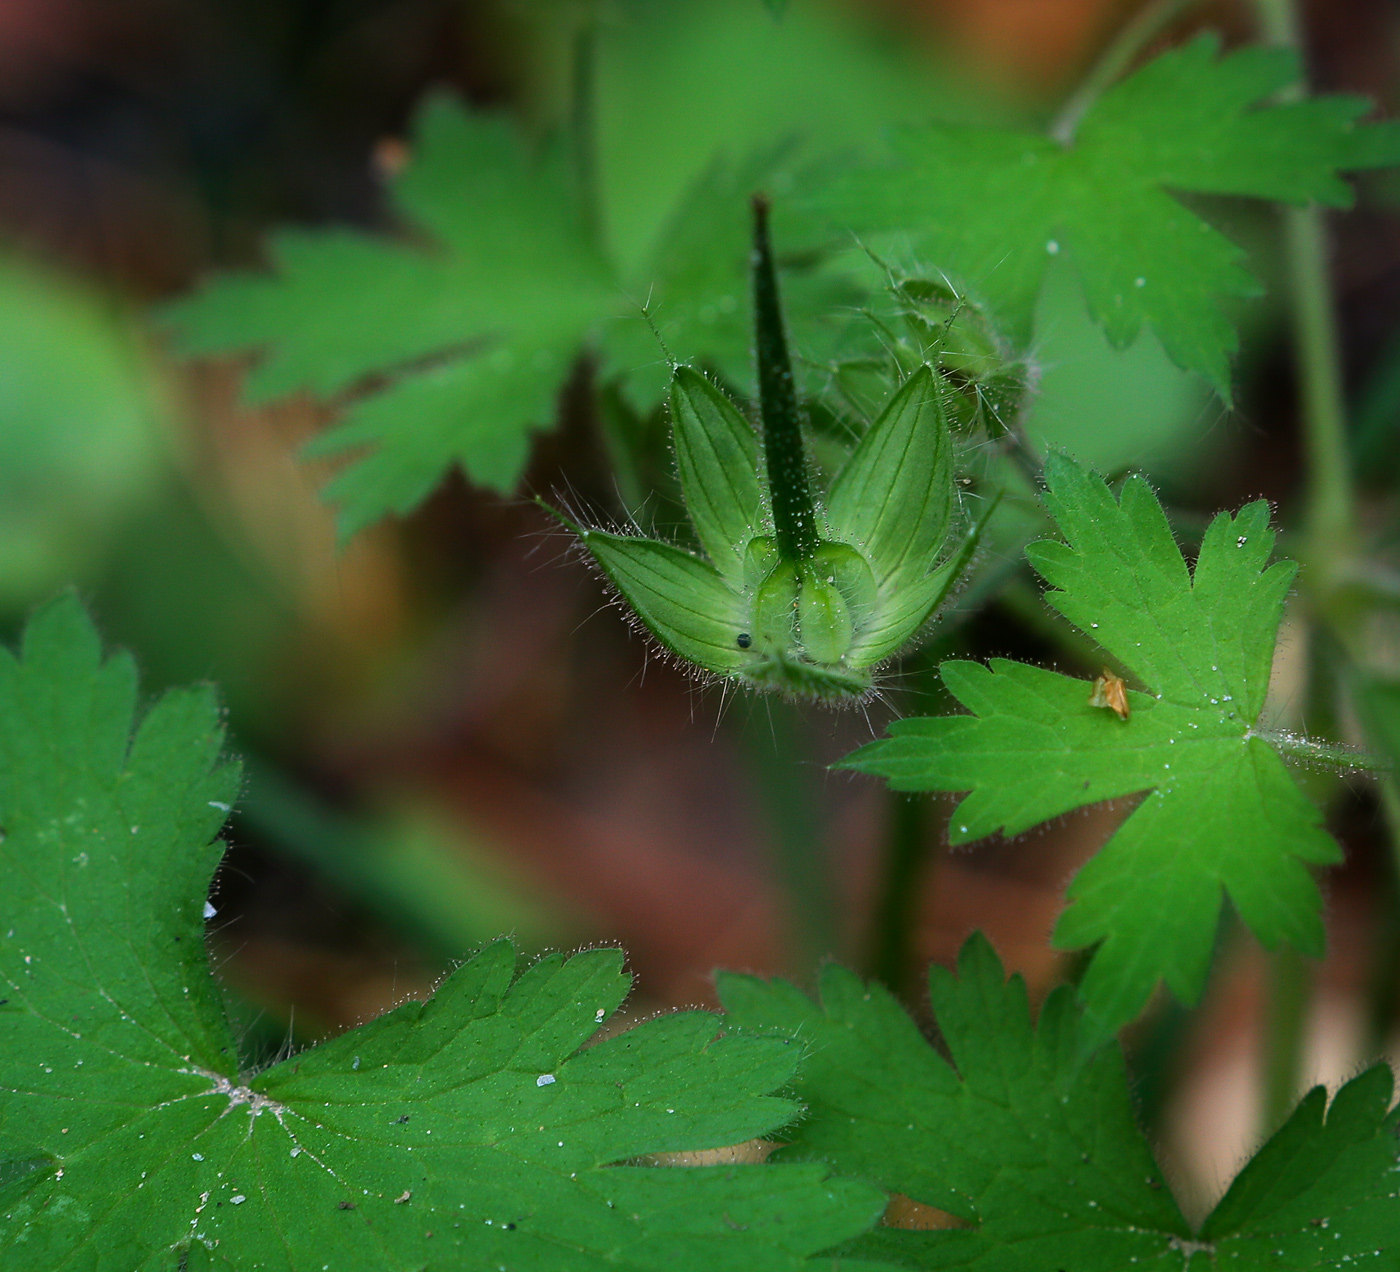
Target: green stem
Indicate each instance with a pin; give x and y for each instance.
(794, 520)
(896, 912)
(1329, 530)
(1122, 50)
(1290, 990)
(908, 851)
(1331, 510)
(1330, 527)
(791, 797)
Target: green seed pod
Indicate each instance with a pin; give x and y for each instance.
(925, 321)
(790, 595)
(824, 622)
(774, 613)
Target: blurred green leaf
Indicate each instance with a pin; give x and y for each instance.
(1114, 409)
(430, 877)
(81, 441)
(448, 343)
(995, 206)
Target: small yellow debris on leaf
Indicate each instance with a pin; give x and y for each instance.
(1111, 692)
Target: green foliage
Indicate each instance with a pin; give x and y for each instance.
(448, 344)
(1222, 815)
(1035, 1150)
(992, 206)
(491, 328)
(80, 435)
(470, 1131)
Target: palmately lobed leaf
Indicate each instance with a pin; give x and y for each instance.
(993, 205)
(1222, 815)
(472, 1131)
(1026, 1137)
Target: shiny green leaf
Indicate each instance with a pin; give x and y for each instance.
(1034, 1149)
(994, 206)
(476, 1130)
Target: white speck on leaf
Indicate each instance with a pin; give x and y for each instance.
(545, 1079)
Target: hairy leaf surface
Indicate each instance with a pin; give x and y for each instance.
(1035, 1151)
(469, 1131)
(1222, 813)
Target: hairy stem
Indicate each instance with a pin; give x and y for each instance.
(1341, 757)
(1145, 26)
(794, 521)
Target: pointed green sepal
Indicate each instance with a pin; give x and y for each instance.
(682, 599)
(902, 612)
(786, 597)
(894, 496)
(717, 460)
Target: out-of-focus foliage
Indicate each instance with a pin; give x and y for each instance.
(994, 206)
(453, 340)
(1111, 408)
(81, 429)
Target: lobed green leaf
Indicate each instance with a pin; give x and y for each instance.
(475, 1130)
(1221, 815)
(1026, 1137)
